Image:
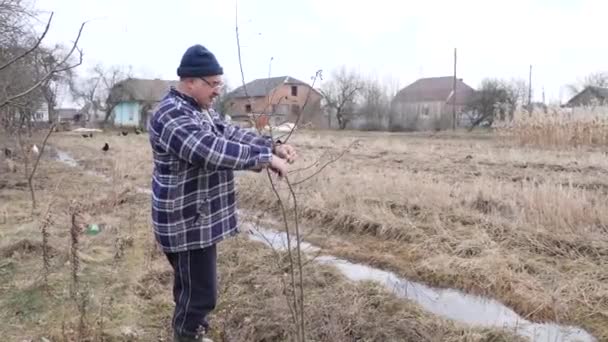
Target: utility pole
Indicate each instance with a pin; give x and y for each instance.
(454, 95)
(530, 92)
(543, 95)
(270, 66)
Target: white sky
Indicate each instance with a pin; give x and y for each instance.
(400, 40)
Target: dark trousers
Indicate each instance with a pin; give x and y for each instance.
(194, 289)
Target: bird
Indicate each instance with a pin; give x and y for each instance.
(105, 147)
(85, 136)
(90, 135)
(137, 131)
(124, 133)
(8, 153)
(35, 150)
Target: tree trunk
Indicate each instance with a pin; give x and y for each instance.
(341, 119)
(52, 113)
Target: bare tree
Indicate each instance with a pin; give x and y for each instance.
(497, 99)
(375, 105)
(26, 67)
(596, 79)
(47, 60)
(94, 91)
(517, 96)
(14, 15)
(489, 102)
(220, 104)
(340, 94)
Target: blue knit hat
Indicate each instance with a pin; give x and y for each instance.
(198, 62)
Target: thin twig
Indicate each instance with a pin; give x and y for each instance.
(30, 178)
(299, 328)
(306, 167)
(312, 88)
(299, 250)
(36, 45)
(238, 45)
(288, 234)
(278, 258)
(50, 73)
(325, 165)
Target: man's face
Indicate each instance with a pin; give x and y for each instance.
(205, 89)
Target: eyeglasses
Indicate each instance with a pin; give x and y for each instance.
(217, 86)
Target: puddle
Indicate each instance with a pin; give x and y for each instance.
(65, 158)
(447, 303)
(143, 191)
(279, 240)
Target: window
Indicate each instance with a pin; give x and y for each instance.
(248, 108)
(294, 90)
(425, 110)
(295, 109)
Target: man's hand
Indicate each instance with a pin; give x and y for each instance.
(278, 166)
(286, 151)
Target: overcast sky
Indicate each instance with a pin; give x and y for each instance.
(400, 41)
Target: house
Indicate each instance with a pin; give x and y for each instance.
(589, 97)
(94, 116)
(42, 114)
(283, 97)
(428, 103)
(68, 114)
(134, 99)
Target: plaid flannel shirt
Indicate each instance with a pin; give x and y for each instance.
(195, 155)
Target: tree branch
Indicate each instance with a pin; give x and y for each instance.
(312, 88)
(289, 253)
(325, 165)
(55, 70)
(299, 250)
(36, 45)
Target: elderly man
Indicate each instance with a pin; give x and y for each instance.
(193, 204)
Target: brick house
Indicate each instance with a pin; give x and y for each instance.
(283, 97)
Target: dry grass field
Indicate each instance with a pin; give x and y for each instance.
(525, 225)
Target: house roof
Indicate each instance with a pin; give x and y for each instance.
(263, 86)
(145, 90)
(598, 92)
(435, 89)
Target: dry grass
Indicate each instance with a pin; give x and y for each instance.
(526, 226)
(126, 282)
(559, 129)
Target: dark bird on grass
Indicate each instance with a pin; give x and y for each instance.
(105, 147)
(124, 133)
(137, 131)
(8, 153)
(90, 135)
(85, 136)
